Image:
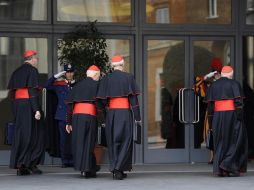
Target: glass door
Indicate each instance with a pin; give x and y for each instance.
(248, 89)
(207, 55)
(174, 109)
(9, 61)
(166, 139)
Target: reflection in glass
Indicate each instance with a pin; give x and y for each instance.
(188, 11)
(11, 56)
(100, 10)
(119, 47)
(248, 88)
(114, 47)
(250, 12)
(165, 76)
(23, 10)
(208, 56)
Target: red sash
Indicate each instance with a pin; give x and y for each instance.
(84, 108)
(224, 105)
(119, 103)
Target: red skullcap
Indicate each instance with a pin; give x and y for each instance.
(29, 53)
(227, 69)
(117, 60)
(93, 68)
(216, 64)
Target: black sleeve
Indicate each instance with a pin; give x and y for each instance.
(11, 95)
(210, 108)
(69, 114)
(101, 105)
(210, 112)
(34, 100)
(238, 102)
(135, 107)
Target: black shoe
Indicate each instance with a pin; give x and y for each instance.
(117, 175)
(23, 171)
(124, 174)
(90, 175)
(210, 162)
(233, 174)
(97, 168)
(35, 170)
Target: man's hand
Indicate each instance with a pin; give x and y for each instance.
(68, 128)
(37, 115)
(210, 75)
(59, 74)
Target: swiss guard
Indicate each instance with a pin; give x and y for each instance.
(82, 121)
(61, 87)
(229, 134)
(118, 91)
(28, 143)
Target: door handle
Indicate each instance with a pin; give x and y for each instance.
(196, 109)
(44, 101)
(182, 106)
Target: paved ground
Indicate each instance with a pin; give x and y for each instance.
(148, 177)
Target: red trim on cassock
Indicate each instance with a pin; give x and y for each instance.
(243, 97)
(108, 97)
(84, 108)
(135, 106)
(119, 103)
(224, 105)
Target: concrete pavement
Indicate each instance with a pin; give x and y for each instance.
(148, 177)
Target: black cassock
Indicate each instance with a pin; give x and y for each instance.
(51, 125)
(119, 122)
(84, 126)
(229, 132)
(28, 143)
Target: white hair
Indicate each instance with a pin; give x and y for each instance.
(91, 73)
(228, 75)
(118, 63)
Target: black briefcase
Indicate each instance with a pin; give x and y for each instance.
(101, 136)
(9, 133)
(137, 132)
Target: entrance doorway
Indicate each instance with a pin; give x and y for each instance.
(173, 63)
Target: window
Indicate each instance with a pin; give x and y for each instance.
(250, 12)
(23, 10)
(213, 9)
(189, 11)
(162, 15)
(90, 10)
